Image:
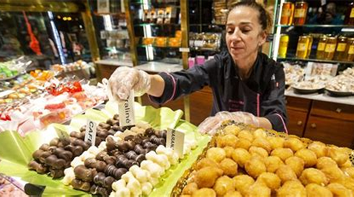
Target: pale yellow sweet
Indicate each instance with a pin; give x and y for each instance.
(255, 166)
(243, 143)
(243, 183)
(285, 173)
(204, 192)
(349, 171)
(308, 156)
(282, 153)
(233, 194)
(339, 190)
(276, 142)
(258, 190)
(296, 164)
(347, 182)
(232, 129)
(205, 162)
(263, 143)
(271, 180)
(273, 163)
(226, 140)
(312, 175)
(245, 134)
(254, 150)
(294, 144)
(216, 154)
(313, 189)
(333, 173)
(223, 185)
(325, 162)
(229, 167)
(207, 176)
(241, 156)
(318, 148)
(339, 155)
(259, 133)
(190, 188)
(292, 189)
(228, 150)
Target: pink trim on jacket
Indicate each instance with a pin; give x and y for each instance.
(281, 118)
(174, 86)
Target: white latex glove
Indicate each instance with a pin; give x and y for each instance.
(211, 124)
(125, 79)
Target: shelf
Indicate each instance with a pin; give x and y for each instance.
(155, 3)
(314, 60)
(316, 25)
(154, 24)
(149, 45)
(119, 15)
(220, 25)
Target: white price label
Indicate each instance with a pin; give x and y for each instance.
(90, 134)
(184, 50)
(126, 111)
(175, 140)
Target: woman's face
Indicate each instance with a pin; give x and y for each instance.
(244, 33)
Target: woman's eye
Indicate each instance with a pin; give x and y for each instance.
(245, 30)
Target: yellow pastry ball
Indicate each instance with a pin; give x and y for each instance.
(190, 188)
(313, 189)
(273, 163)
(285, 173)
(254, 150)
(223, 185)
(226, 140)
(339, 155)
(308, 156)
(259, 133)
(255, 166)
(292, 189)
(347, 182)
(233, 194)
(205, 162)
(243, 183)
(241, 156)
(229, 167)
(312, 175)
(232, 129)
(207, 176)
(263, 143)
(333, 173)
(258, 190)
(296, 164)
(325, 162)
(339, 190)
(245, 134)
(204, 192)
(276, 142)
(243, 143)
(216, 154)
(229, 150)
(271, 180)
(318, 148)
(294, 144)
(282, 153)
(348, 171)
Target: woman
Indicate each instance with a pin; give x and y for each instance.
(241, 78)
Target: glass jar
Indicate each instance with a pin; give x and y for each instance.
(330, 48)
(300, 12)
(321, 47)
(341, 49)
(309, 45)
(350, 56)
(287, 12)
(283, 45)
(302, 46)
(349, 17)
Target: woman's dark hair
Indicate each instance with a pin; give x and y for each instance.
(264, 16)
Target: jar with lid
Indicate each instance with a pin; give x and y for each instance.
(287, 13)
(302, 46)
(309, 45)
(341, 49)
(321, 47)
(300, 12)
(330, 48)
(349, 16)
(350, 56)
(283, 45)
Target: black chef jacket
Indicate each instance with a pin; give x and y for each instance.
(262, 94)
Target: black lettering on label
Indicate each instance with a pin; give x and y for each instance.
(173, 137)
(127, 109)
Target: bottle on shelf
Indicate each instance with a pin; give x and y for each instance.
(302, 47)
(300, 12)
(287, 13)
(321, 47)
(341, 49)
(350, 55)
(330, 48)
(349, 17)
(283, 45)
(309, 46)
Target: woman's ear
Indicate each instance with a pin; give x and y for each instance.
(263, 38)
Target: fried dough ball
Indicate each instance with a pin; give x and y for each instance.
(333, 173)
(271, 180)
(228, 150)
(205, 162)
(258, 190)
(207, 176)
(229, 167)
(294, 144)
(204, 192)
(226, 140)
(313, 189)
(276, 142)
(308, 156)
(259, 133)
(223, 185)
(292, 189)
(254, 150)
(245, 134)
(216, 154)
(338, 155)
(273, 163)
(243, 183)
(263, 143)
(347, 164)
(282, 153)
(233, 194)
(347, 182)
(325, 162)
(285, 173)
(318, 148)
(243, 143)
(190, 188)
(312, 175)
(255, 167)
(241, 156)
(339, 190)
(348, 171)
(296, 164)
(232, 129)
